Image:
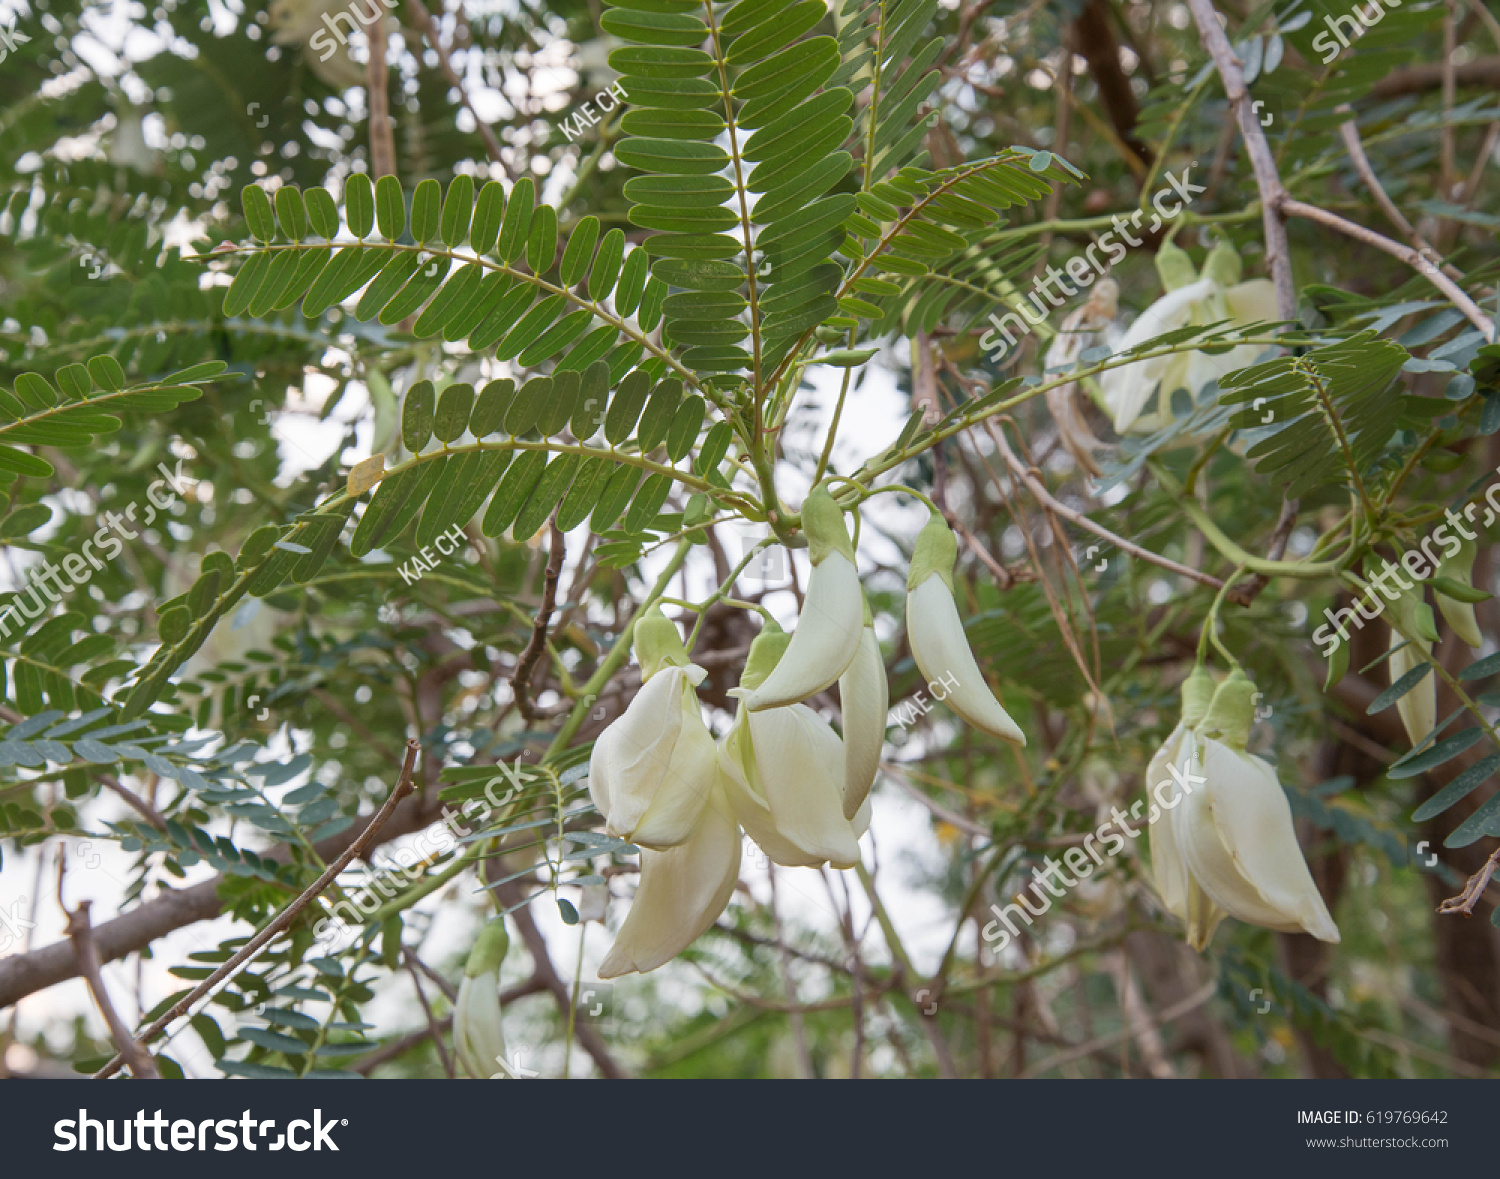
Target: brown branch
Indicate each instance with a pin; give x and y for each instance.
(129, 1048)
(520, 682)
(146, 810)
(1356, 150)
(378, 104)
(286, 916)
(1395, 249)
(432, 1025)
(1046, 498)
(1465, 901)
(491, 144)
(1484, 71)
(1097, 45)
(1267, 179)
(1193, 1001)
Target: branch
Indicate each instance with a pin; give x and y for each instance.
(491, 144)
(382, 141)
(1278, 251)
(1039, 490)
(520, 681)
(146, 810)
(130, 1049)
(1350, 133)
(1465, 901)
(1484, 71)
(1406, 254)
(286, 916)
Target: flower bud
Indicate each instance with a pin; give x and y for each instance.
(1455, 574)
(936, 634)
(829, 626)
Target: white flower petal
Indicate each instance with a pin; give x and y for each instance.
(477, 1034)
(681, 893)
(1181, 894)
(741, 780)
(1168, 868)
(800, 764)
(826, 638)
(652, 768)
(1242, 846)
(1253, 301)
(936, 635)
(1127, 389)
(865, 700)
(1418, 708)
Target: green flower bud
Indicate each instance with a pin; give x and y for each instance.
(765, 653)
(1223, 265)
(1197, 694)
(1174, 267)
(936, 554)
(658, 643)
(1231, 714)
(823, 525)
(489, 950)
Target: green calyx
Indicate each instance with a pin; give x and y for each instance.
(1223, 265)
(489, 950)
(935, 555)
(823, 525)
(1231, 713)
(765, 653)
(658, 643)
(1197, 693)
(1174, 267)
(1459, 568)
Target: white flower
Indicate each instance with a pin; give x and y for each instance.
(865, 701)
(829, 626)
(652, 769)
(785, 773)
(1234, 831)
(682, 892)
(477, 1034)
(936, 635)
(1218, 295)
(1180, 893)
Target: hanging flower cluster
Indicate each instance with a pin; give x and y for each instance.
(796, 787)
(1228, 848)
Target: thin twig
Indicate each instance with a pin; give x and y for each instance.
(1267, 179)
(130, 1049)
(1465, 901)
(1192, 1002)
(432, 1023)
(1395, 249)
(1039, 490)
(146, 810)
(1350, 133)
(286, 916)
(491, 144)
(520, 682)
